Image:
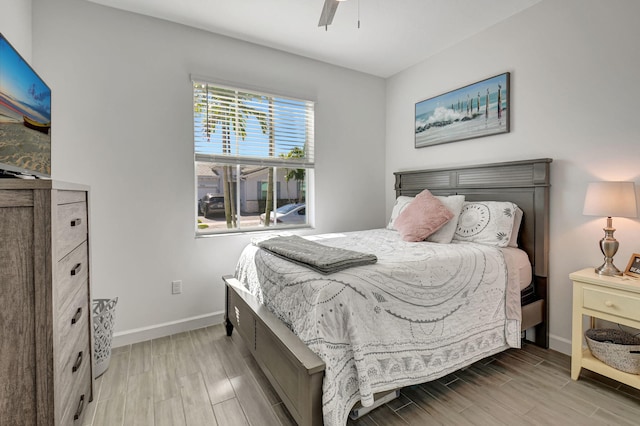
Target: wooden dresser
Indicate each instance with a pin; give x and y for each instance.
(46, 340)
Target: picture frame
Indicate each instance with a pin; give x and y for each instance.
(633, 267)
(476, 110)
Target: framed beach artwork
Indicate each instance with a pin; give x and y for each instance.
(479, 109)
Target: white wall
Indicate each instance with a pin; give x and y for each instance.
(122, 123)
(575, 96)
(15, 25)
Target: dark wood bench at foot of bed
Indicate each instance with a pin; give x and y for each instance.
(296, 372)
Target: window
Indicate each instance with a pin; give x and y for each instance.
(264, 189)
(253, 157)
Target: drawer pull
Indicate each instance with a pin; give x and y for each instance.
(78, 413)
(78, 363)
(608, 303)
(76, 222)
(76, 269)
(77, 316)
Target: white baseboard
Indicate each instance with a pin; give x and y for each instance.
(560, 344)
(129, 337)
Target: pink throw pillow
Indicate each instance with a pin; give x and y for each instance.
(424, 216)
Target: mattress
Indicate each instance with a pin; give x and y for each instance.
(518, 266)
(422, 311)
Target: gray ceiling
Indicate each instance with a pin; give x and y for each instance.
(393, 35)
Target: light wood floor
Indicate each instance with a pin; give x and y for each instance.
(203, 377)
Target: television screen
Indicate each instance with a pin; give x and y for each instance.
(25, 116)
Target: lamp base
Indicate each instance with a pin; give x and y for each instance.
(608, 247)
(608, 269)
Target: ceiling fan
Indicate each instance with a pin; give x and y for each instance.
(328, 10)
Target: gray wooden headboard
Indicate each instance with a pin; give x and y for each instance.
(525, 183)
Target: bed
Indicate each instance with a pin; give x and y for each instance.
(297, 373)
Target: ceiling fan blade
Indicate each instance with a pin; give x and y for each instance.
(328, 10)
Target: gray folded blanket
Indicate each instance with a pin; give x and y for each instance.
(318, 257)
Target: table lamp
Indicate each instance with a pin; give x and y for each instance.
(610, 199)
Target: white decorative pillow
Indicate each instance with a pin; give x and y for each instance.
(486, 222)
(454, 204)
(401, 203)
(515, 232)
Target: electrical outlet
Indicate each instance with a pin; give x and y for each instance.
(176, 287)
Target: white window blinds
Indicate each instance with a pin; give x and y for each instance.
(235, 126)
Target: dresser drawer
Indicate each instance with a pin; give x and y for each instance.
(79, 396)
(71, 273)
(72, 376)
(612, 302)
(67, 197)
(73, 324)
(71, 222)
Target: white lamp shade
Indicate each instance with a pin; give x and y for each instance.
(610, 199)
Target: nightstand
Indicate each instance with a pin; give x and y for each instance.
(615, 299)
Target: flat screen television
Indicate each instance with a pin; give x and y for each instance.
(25, 117)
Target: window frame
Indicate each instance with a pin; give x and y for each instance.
(277, 161)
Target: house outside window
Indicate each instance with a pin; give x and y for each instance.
(253, 159)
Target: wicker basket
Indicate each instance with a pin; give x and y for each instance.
(616, 348)
(104, 313)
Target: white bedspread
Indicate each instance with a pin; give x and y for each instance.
(423, 311)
